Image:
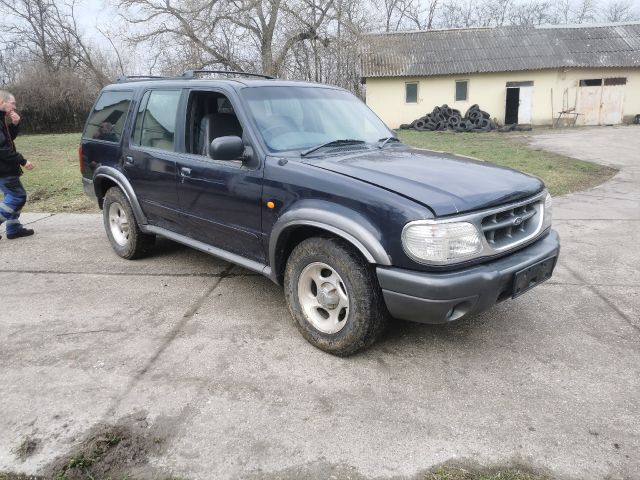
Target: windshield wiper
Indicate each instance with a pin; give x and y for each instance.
(344, 141)
(387, 140)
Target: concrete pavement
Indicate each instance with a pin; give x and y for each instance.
(205, 356)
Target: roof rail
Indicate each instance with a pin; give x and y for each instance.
(126, 78)
(193, 73)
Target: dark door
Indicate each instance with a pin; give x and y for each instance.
(513, 103)
(150, 160)
(220, 198)
(101, 139)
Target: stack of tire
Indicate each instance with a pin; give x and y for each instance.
(447, 118)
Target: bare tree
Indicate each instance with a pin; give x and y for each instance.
(497, 12)
(232, 34)
(533, 13)
(422, 15)
(585, 11)
(47, 31)
(463, 14)
(619, 11)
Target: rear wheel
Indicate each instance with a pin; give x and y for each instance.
(334, 296)
(126, 238)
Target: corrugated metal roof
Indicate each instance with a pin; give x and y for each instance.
(504, 49)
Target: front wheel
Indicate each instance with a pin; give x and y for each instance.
(126, 238)
(334, 296)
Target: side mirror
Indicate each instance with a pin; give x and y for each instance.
(226, 148)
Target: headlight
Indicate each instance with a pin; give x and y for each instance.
(440, 242)
(548, 212)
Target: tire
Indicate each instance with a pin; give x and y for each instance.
(124, 234)
(344, 314)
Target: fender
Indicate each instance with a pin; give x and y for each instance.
(118, 177)
(337, 219)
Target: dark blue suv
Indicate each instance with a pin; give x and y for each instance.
(304, 184)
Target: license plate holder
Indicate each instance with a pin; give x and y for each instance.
(532, 276)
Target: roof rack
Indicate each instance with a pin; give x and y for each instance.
(193, 73)
(189, 74)
(126, 78)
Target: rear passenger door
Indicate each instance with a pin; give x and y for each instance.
(221, 199)
(150, 159)
(102, 136)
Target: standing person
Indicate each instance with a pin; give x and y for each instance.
(11, 163)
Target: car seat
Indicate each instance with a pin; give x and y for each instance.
(214, 125)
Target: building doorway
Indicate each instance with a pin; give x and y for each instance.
(600, 101)
(518, 103)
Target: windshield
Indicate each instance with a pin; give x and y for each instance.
(299, 118)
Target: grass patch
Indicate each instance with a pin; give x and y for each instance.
(26, 448)
(55, 184)
(561, 174)
(455, 473)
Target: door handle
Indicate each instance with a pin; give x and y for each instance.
(185, 172)
(128, 160)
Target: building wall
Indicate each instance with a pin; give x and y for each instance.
(386, 96)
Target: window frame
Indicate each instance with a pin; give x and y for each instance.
(455, 90)
(142, 104)
(178, 128)
(206, 159)
(591, 82)
(126, 115)
(417, 84)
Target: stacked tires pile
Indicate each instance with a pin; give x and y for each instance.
(446, 118)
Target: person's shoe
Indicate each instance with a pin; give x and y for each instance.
(23, 232)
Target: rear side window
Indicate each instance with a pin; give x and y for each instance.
(108, 117)
(156, 120)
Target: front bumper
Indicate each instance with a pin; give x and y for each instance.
(444, 297)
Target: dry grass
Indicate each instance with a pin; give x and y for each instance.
(55, 184)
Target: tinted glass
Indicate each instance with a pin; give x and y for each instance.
(461, 90)
(411, 94)
(137, 129)
(107, 119)
(159, 122)
(297, 118)
(615, 81)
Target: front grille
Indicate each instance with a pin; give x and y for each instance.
(507, 227)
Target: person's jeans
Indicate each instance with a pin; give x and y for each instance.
(15, 197)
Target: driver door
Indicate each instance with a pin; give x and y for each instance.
(221, 199)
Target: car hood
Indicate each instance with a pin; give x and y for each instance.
(445, 183)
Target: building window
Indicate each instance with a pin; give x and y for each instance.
(462, 90)
(592, 82)
(615, 81)
(411, 93)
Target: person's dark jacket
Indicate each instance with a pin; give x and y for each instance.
(10, 160)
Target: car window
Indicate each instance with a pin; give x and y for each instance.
(137, 129)
(158, 120)
(107, 119)
(210, 115)
(297, 118)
